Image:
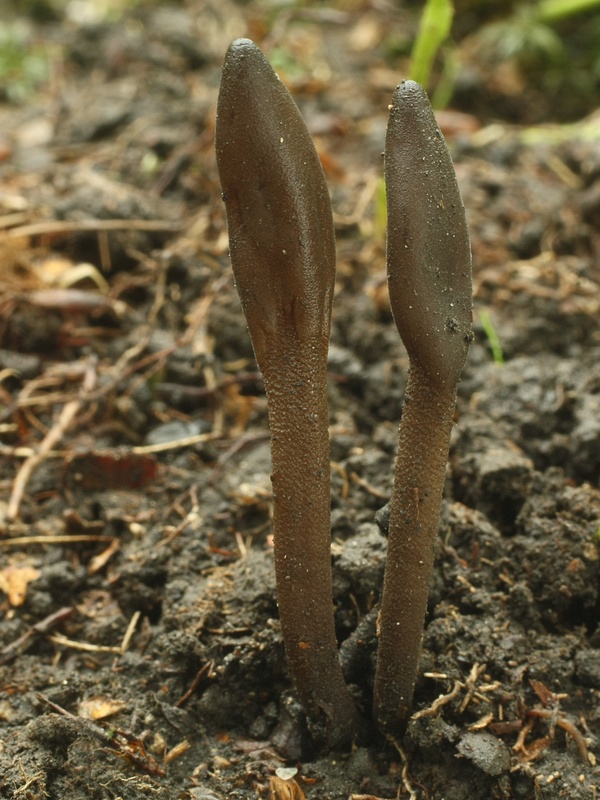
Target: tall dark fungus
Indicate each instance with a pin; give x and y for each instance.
(283, 256)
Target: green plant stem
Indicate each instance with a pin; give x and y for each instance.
(553, 10)
(446, 84)
(434, 29)
(492, 336)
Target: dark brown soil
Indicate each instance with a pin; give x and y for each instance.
(140, 652)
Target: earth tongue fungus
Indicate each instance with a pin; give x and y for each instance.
(429, 279)
(283, 256)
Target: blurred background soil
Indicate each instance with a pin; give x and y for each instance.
(140, 652)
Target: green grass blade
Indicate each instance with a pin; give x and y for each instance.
(492, 336)
(552, 10)
(433, 31)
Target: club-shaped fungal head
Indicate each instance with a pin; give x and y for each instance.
(278, 209)
(428, 247)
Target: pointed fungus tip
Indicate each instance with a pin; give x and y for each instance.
(240, 50)
(409, 86)
(242, 44)
(243, 62)
(409, 98)
(410, 93)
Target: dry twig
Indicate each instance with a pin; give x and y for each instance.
(71, 226)
(54, 435)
